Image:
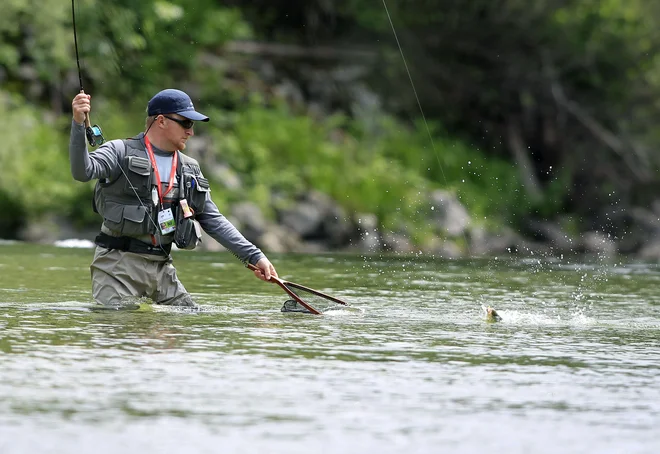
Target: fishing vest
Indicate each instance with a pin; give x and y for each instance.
(126, 203)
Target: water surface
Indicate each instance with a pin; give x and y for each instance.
(574, 366)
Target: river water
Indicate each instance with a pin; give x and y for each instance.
(573, 367)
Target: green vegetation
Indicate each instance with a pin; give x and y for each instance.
(388, 172)
(526, 104)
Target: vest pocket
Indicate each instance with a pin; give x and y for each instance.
(200, 188)
(139, 176)
(126, 219)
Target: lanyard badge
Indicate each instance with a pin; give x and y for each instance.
(166, 221)
(165, 217)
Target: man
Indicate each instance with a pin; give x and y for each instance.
(150, 195)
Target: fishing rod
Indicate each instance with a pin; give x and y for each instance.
(93, 132)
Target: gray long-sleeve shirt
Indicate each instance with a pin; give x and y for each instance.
(104, 164)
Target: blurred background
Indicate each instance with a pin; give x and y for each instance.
(539, 134)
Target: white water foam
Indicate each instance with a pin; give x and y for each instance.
(75, 243)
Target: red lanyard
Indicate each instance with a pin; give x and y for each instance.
(175, 162)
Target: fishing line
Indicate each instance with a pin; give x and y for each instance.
(147, 213)
(419, 104)
(412, 84)
(421, 109)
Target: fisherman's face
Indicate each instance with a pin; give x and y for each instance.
(176, 130)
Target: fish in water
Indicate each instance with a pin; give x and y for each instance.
(491, 314)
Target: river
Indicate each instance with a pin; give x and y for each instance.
(573, 367)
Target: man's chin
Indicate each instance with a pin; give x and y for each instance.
(182, 146)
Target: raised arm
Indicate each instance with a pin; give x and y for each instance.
(104, 162)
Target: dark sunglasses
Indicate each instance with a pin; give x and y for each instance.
(185, 124)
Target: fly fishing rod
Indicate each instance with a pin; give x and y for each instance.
(94, 133)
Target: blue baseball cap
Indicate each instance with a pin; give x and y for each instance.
(174, 101)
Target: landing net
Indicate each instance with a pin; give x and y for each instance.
(317, 300)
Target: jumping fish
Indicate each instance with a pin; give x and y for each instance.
(491, 314)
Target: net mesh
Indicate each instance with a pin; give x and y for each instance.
(318, 301)
(293, 306)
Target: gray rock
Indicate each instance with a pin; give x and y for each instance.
(369, 236)
(224, 175)
(272, 242)
(552, 234)
(317, 218)
(647, 220)
(448, 214)
(347, 74)
(632, 228)
(304, 218)
(278, 239)
(599, 243)
(200, 148)
(440, 247)
(49, 229)
(397, 242)
(503, 242)
(650, 251)
(250, 220)
(288, 91)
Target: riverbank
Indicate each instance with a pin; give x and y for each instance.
(315, 223)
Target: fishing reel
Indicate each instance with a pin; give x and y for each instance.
(94, 133)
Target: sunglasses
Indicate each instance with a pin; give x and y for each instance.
(185, 124)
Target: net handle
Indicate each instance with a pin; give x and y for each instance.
(283, 284)
(309, 290)
(316, 292)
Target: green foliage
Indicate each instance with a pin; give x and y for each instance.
(127, 47)
(388, 172)
(579, 79)
(28, 28)
(33, 159)
(478, 67)
(148, 45)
